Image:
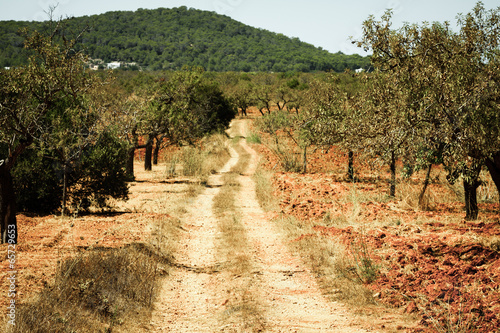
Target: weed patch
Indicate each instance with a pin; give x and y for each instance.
(254, 138)
(199, 161)
(94, 292)
(104, 288)
(264, 189)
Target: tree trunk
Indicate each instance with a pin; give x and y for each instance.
(470, 191)
(65, 190)
(304, 168)
(129, 166)
(426, 184)
(350, 167)
(8, 207)
(493, 166)
(65, 186)
(148, 155)
(156, 151)
(393, 175)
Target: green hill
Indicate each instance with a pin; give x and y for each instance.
(170, 38)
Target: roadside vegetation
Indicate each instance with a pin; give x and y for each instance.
(379, 171)
(106, 289)
(102, 290)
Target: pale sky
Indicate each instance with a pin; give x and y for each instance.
(325, 23)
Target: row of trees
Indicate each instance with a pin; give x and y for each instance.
(162, 111)
(68, 135)
(433, 99)
(52, 136)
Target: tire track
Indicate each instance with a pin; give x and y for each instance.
(190, 300)
(292, 300)
(254, 285)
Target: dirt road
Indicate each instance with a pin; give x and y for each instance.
(272, 291)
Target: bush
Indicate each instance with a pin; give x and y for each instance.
(37, 183)
(94, 292)
(192, 159)
(254, 138)
(96, 177)
(100, 174)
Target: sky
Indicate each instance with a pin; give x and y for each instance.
(324, 23)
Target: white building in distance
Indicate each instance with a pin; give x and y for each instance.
(113, 65)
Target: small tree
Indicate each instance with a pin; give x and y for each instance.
(186, 107)
(289, 132)
(242, 96)
(100, 173)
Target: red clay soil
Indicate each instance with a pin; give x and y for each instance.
(432, 263)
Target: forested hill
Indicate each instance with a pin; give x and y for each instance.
(171, 38)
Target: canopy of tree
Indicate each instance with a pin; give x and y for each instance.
(172, 38)
(50, 109)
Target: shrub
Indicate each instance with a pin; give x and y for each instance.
(94, 292)
(101, 173)
(254, 138)
(37, 183)
(96, 177)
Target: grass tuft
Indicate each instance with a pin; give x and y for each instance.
(94, 292)
(264, 189)
(103, 289)
(254, 138)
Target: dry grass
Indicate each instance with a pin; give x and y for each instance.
(264, 189)
(243, 160)
(242, 307)
(100, 290)
(341, 270)
(199, 161)
(441, 191)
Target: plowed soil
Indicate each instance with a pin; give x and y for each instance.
(433, 263)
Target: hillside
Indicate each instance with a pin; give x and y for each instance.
(171, 38)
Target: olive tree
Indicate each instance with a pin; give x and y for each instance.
(184, 108)
(45, 104)
(449, 83)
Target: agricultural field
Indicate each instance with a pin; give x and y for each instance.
(368, 248)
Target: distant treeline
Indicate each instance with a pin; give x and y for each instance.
(168, 39)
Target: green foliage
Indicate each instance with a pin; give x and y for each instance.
(289, 139)
(50, 106)
(365, 270)
(97, 176)
(100, 174)
(254, 138)
(36, 182)
(167, 39)
(187, 107)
